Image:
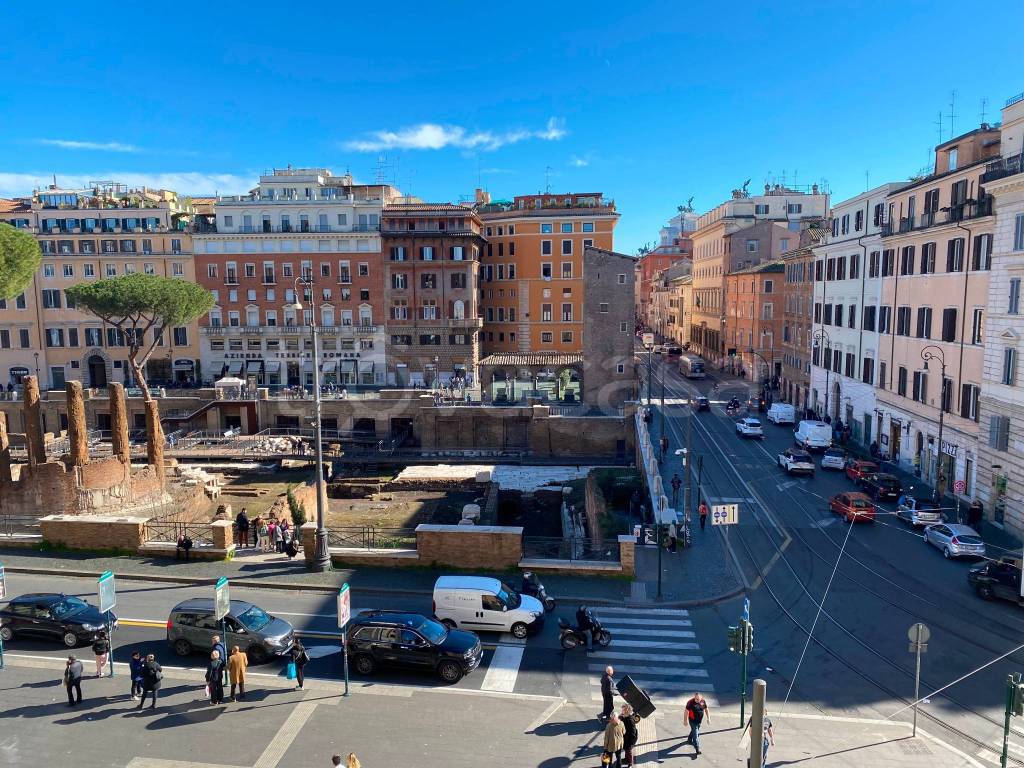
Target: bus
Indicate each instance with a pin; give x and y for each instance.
(691, 366)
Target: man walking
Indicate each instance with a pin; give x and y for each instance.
(73, 681)
(696, 710)
(152, 677)
(676, 485)
(702, 510)
(673, 536)
(606, 693)
(242, 525)
(974, 515)
(237, 664)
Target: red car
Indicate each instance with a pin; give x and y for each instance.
(856, 507)
(855, 470)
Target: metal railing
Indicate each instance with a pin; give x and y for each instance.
(559, 548)
(19, 525)
(1005, 166)
(167, 532)
(371, 537)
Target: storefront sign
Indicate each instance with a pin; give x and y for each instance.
(184, 365)
(949, 449)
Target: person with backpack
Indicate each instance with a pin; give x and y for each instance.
(300, 658)
(152, 676)
(696, 711)
(135, 669)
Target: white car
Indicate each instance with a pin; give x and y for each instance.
(834, 458)
(749, 428)
(794, 461)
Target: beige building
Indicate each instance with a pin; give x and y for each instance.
(102, 232)
(935, 261)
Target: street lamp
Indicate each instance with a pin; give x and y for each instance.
(765, 382)
(36, 356)
(321, 557)
(928, 354)
(821, 339)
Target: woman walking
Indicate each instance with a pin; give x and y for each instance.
(630, 737)
(215, 678)
(300, 658)
(135, 667)
(279, 537)
(101, 649)
(353, 761)
(257, 523)
(237, 664)
(614, 736)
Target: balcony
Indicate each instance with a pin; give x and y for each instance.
(427, 232)
(290, 330)
(284, 229)
(971, 209)
(1005, 166)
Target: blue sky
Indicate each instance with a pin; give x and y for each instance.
(650, 103)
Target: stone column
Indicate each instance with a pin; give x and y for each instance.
(33, 423)
(5, 450)
(119, 422)
(78, 444)
(154, 439)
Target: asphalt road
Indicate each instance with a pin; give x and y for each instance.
(787, 545)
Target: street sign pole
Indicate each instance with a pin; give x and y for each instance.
(1012, 681)
(344, 614)
(221, 608)
(3, 594)
(918, 636)
(107, 589)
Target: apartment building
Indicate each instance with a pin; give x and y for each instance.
(847, 294)
(104, 231)
(531, 287)
(935, 261)
(797, 293)
(431, 278)
(1000, 480)
(753, 313)
(779, 215)
(297, 224)
(675, 278)
(674, 245)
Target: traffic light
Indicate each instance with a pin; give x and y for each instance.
(1018, 699)
(735, 639)
(748, 636)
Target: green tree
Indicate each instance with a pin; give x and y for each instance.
(136, 304)
(19, 260)
(297, 510)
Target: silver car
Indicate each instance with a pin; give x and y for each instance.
(955, 540)
(192, 626)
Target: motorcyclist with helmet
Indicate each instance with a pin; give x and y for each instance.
(585, 625)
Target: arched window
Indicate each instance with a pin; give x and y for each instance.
(459, 310)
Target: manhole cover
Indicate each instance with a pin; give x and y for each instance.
(914, 748)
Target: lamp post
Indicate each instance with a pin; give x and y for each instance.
(765, 386)
(36, 356)
(824, 341)
(928, 354)
(321, 557)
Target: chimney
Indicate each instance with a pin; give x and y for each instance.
(481, 197)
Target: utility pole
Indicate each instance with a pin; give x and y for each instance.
(741, 641)
(1014, 706)
(918, 635)
(757, 725)
(688, 470)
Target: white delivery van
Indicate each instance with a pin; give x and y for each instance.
(483, 604)
(813, 435)
(782, 413)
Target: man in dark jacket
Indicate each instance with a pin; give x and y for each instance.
(135, 668)
(585, 626)
(73, 681)
(152, 676)
(222, 650)
(242, 525)
(606, 693)
(974, 515)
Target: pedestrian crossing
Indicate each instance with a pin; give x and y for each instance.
(657, 648)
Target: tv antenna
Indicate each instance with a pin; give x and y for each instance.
(952, 113)
(984, 109)
(547, 180)
(938, 123)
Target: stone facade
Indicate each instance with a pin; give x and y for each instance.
(608, 328)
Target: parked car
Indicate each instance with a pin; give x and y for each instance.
(857, 468)
(794, 461)
(833, 458)
(880, 485)
(481, 603)
(919, 512)
(386, 638)
(191, 627)
(811, 434)
(782, 413)
(955, 540)
(701, 404)
(749, 428)
(854, 506)
(51, 615)
(998, 578)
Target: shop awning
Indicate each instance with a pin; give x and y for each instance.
(329, 366)
(307, 366)
(366, 366)
(272, 366)
(347, 366)
(235, 367)
(253, 366)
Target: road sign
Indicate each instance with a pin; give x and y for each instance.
(648, 340)
(959, 486)
(221, 599)
(925, 633)
(344, 606)
(108, 592)
(3, 584)
(725, 514)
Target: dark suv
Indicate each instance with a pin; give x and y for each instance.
(879, 485)
(69, 619)
(998, 578)
(384, 638)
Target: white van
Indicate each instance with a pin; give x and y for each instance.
(484, 604)
(782, 413)
(811, 435)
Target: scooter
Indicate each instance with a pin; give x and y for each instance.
(571, 637)
(532, 586)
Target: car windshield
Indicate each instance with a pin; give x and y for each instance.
(834, 453)
(888, 480)
(67, 607)
(926, 505)
(255, 619)
(753, 423)
(433, 631)
(801, 457)
(509, 596)
(861, 504)
(969, 540)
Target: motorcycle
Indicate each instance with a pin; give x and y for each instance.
(570, 636)
(532, 586)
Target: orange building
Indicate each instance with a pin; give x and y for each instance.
(753, 312)
(531, 271)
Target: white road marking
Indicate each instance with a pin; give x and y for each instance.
(633, 632)
(283, 739)
(640, 670)
(544, 716)
(633, 612)
(503, 669)
(669, 657)
(669, 700)
(655, 644)
(622, 622)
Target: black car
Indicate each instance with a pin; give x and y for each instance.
(879, 485)
(998, 578)
(701, 404)
(61, 617)
(384, 638)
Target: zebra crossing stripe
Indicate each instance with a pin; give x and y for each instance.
(671, 657)
(635, 670)
(624, 622)
(655, 643)
(666, 700)
(668, 634)
(634, 612)
(503, 669)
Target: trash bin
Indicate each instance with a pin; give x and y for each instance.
(635, 696)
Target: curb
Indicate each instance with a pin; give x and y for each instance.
(292, 586)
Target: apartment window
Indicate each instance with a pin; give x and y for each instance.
(55, 337)
(567, 247)
(588, 226)
(928, 259)
(426, 253)
(567, 313)
(399, 281)
(888, 262)
(828, 314)
(982, 258)
(953, 157)
(851, 316)
(924, 322)
(868, 318)
(839, 315)
(850, 365)
(970, 395)
(761, 209)
(795, 208)
(5, 339)
(844, 226)
(545, 229)
(949, 324)
(882, 383)
(1013, 306)
(955, 255)
(547, 337)
(458, 279)
(901, 382)
(818, 271)
(51, 299)
(129, 268)
(428, 280)
(177, 269)
(1018, 233)
(752, 246)
(920, 390)
(854, 266)
(977, 327)
(175, 245)
(89, 270)
(868, 370)
(512, 272)
(23, 338)
(400, 310)
(545, 269)
(767, 311)
(364, 294)
(545, 313)
(622, 279)
(181, 336)
(566, 269)
(567, 337)
(999, 433)
(907, 260)
(903, 321)
(1009, 376)
(234, 318)
(602, 308)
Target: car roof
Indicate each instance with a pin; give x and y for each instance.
(856, 495)
(886, 476)
(484, 583)
(963, 530)
(402, 618)
(924, 500)
(206, 604)
(813, 423)
(40, 597)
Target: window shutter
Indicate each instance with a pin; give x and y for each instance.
(949, 256)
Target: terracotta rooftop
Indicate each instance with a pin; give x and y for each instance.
(513, 359)
(400, 208)
(12, 206)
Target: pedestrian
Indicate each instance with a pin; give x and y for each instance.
(292, 547)
(184, 545)
(215, 678)
(152, 677)
(676, 484)
(135, 664)
(767, 737)
(300, 658)
(353, 761)
(336, 760)
(101, 649)
(606, 693)
(279, 537)
(673, 535)
(614, 739)
(631, 733)
(702, 510)
(256, 523)
(73, 680)
(271, 535)
(975, 514)
(242, 525)
(696, 711)
(238, 661)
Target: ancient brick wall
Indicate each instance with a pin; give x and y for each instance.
(484, 546)
(99, 532)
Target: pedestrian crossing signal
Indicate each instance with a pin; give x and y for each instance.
(1018, 699)
(748, 636)
(735, 639)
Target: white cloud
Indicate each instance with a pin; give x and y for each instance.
(579, 162)
(102, 146)
(434, 136)
(186, 182)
